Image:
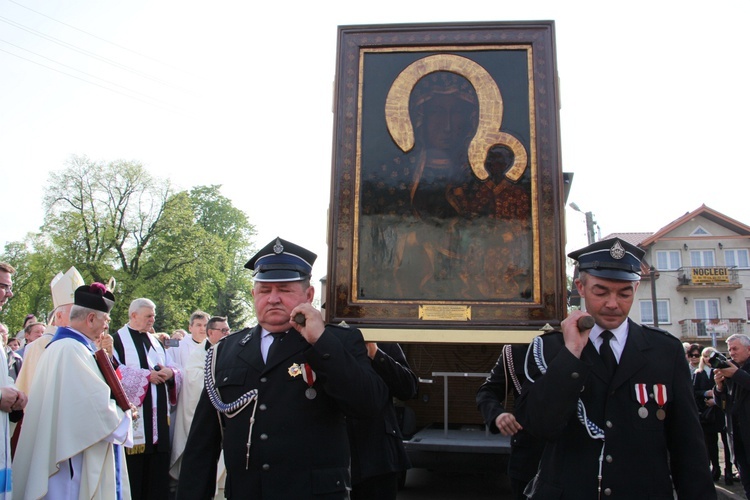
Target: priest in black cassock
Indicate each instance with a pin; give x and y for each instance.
(151, 381)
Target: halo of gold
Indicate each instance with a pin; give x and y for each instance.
(490, 99)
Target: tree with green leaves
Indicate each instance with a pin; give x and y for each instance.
(184, 250)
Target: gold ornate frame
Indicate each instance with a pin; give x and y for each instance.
(511, 75)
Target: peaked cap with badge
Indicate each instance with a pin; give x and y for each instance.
(64, 285)
(613, 259)
(281, 260)
(95, 296)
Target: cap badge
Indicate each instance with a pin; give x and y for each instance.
(617, 251)
(278, 247)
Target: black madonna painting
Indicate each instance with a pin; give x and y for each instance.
(445, 185)
(448, 214)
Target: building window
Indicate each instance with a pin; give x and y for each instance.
(737, 258)
(702, 258)
(706, 308)
(668, 260)
(647, 311)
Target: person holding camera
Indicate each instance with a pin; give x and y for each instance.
(732, 389)
(711, 415)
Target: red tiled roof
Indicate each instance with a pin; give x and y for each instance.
(632, 238)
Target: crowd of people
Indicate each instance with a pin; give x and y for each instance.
(290, 408)
(297, 408)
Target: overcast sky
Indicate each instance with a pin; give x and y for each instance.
(654, 95)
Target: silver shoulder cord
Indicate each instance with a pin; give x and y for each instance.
(510, 368)
(593, 430)
(231, 410)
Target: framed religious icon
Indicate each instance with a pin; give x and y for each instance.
(447, 197)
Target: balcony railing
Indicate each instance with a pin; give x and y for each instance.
(695, 278)
(708, 328)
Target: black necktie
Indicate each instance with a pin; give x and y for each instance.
(276, 339)
(605, 351)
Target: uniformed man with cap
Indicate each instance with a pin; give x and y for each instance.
(615, 402)
(281, 391)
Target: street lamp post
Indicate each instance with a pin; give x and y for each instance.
(590, 223)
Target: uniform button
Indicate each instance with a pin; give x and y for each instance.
(609, 424)
(263, 379)
(266, 467)
(338, 483)
(263, 407)
(263, 437)
(607, 491)
(326, 356)
(609, 459)
(226, 378)
(574, 375)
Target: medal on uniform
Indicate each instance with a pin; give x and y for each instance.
(309, 376)
(660, 394)
(295, 370)
(642, 396)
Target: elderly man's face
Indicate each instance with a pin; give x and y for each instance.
(143, 319)
(62, 315)
(738, 352)
(274, 302)
(99, 323)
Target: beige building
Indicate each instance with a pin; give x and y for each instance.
(701, 267)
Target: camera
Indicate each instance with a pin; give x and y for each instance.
(172, 342)
(718, 360)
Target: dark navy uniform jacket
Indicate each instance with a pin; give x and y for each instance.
(643, 457)
(299, 446)
(526, 450)
(377, 442)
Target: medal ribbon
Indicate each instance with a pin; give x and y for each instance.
(308, 375)
(660, 393)
(640, 394)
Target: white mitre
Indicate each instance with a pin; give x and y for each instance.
(64, 285)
